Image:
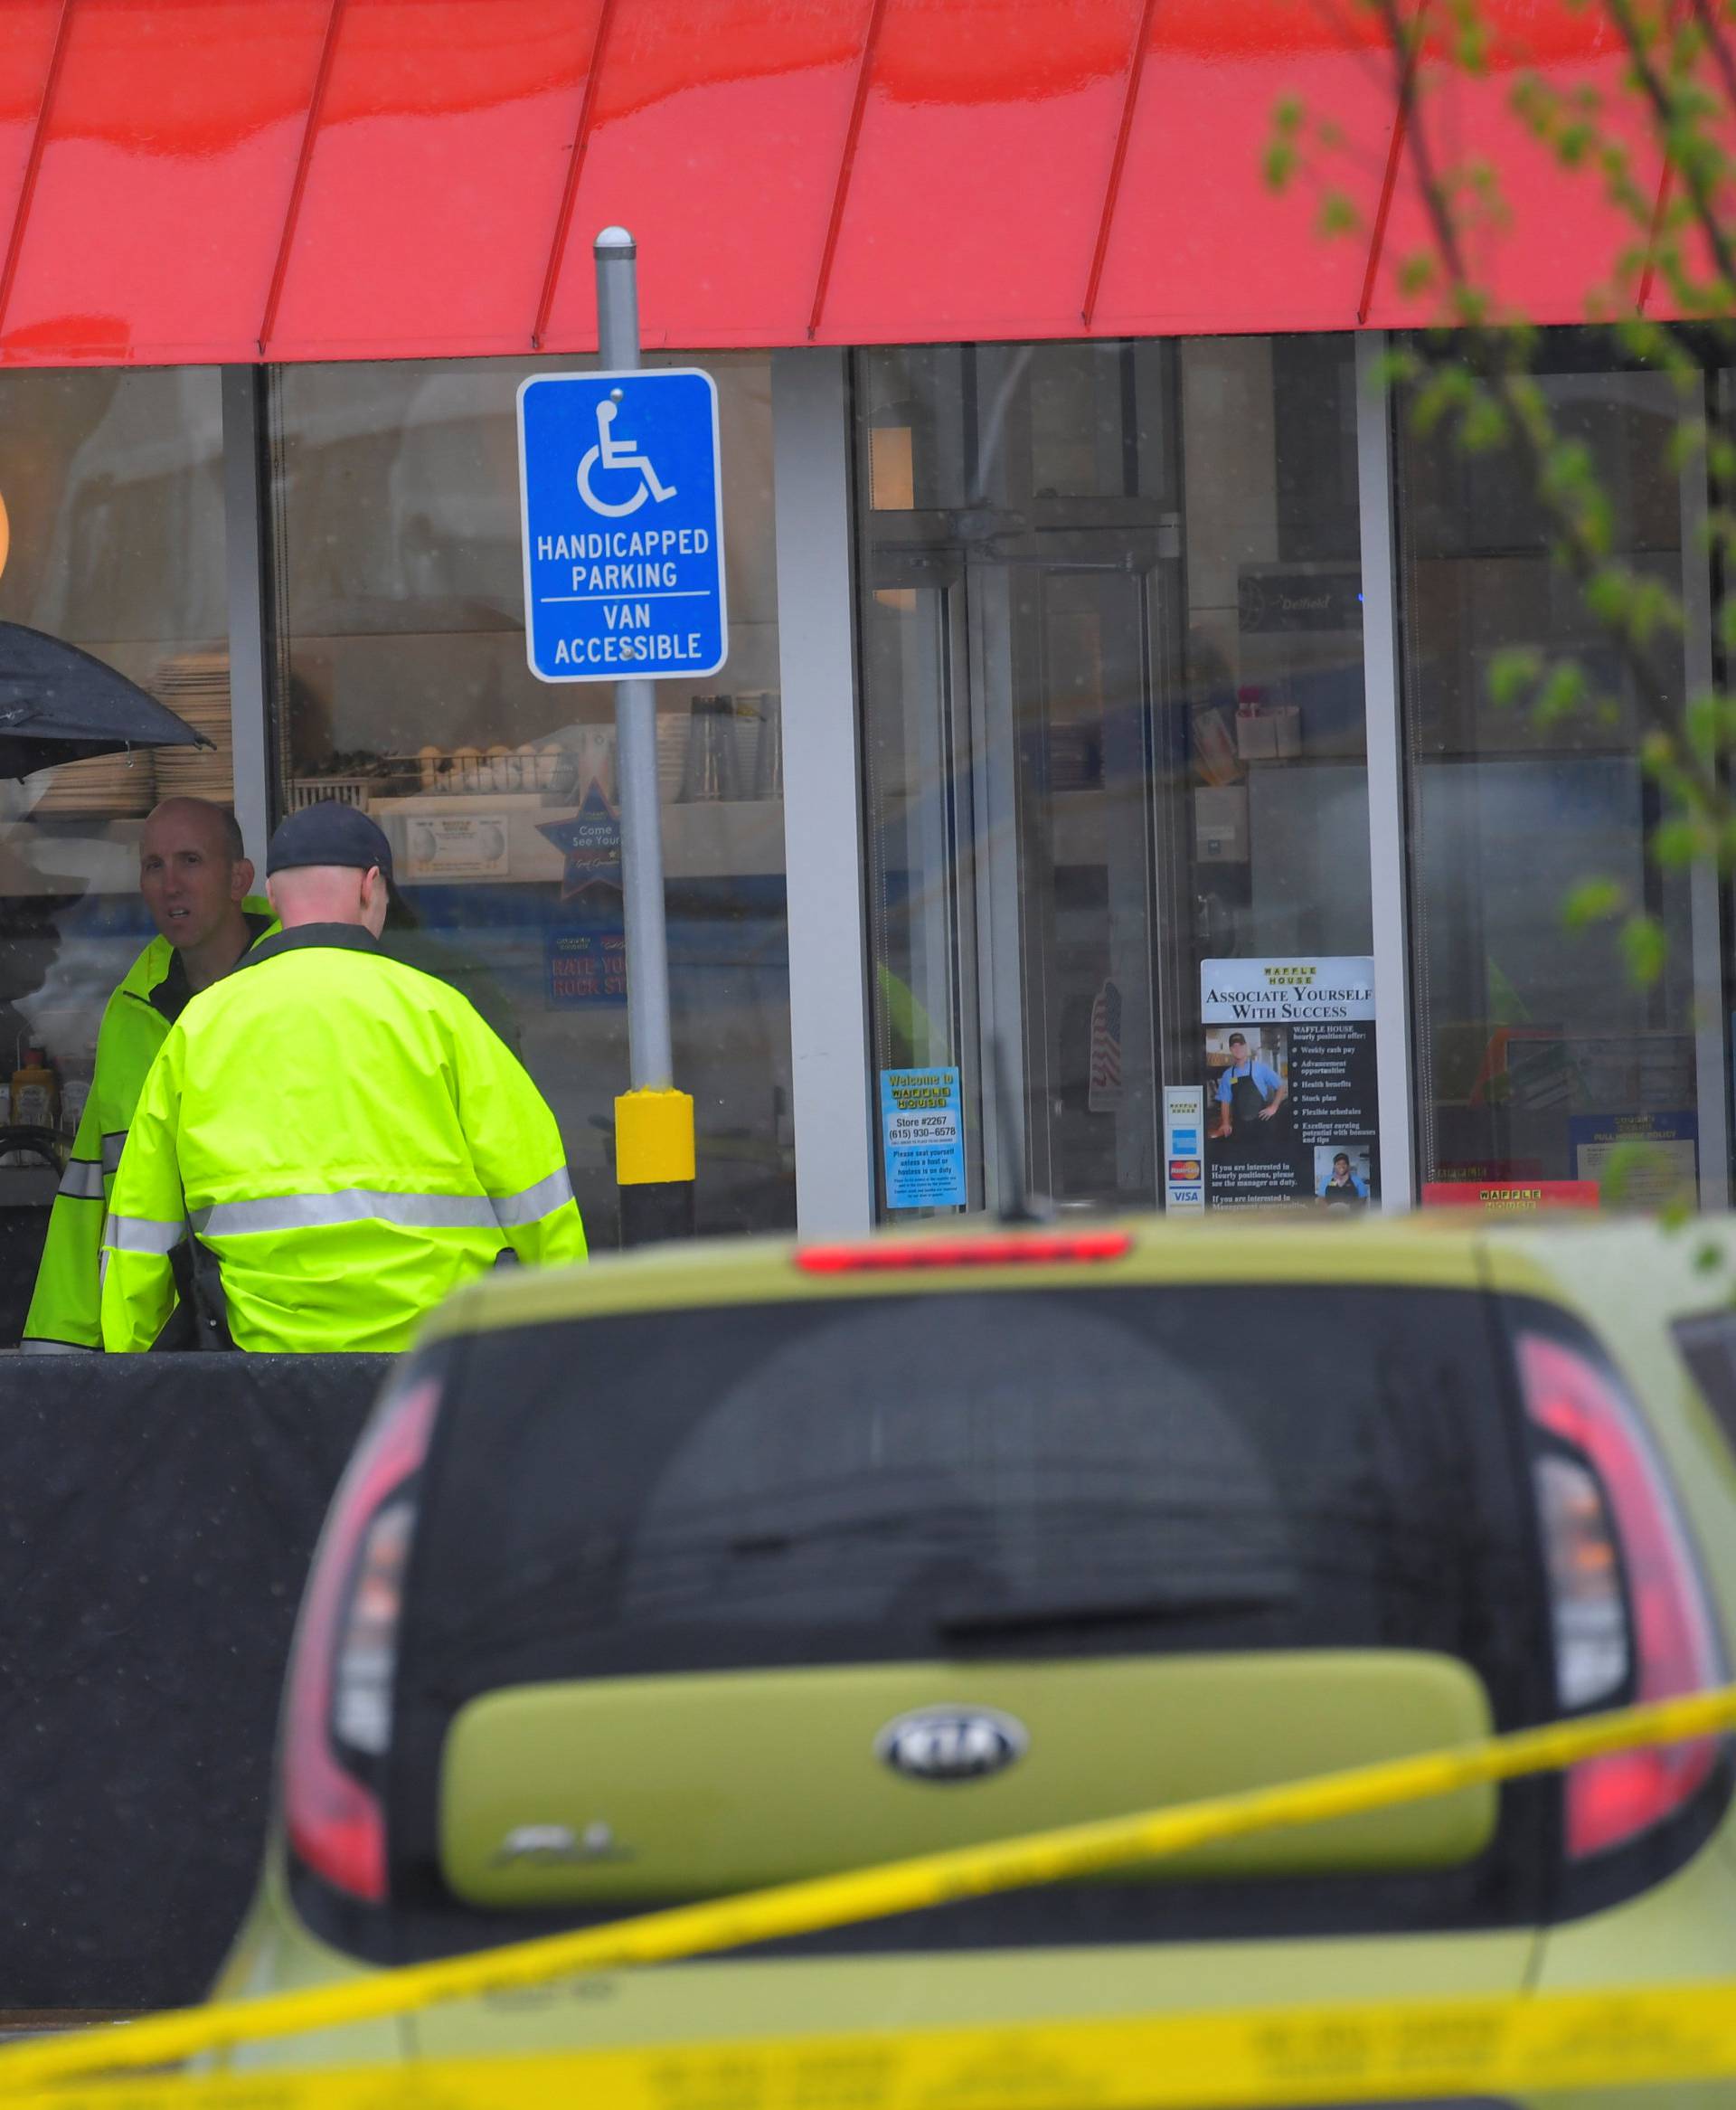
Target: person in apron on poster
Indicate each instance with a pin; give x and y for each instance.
(1250, 1094)
(1341, 1188)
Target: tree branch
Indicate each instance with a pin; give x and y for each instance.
(1492, 353)
(1722, 56)
(1664, 115)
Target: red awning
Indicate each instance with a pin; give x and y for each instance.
(204, 180)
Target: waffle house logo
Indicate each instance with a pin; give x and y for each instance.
(1286, 992)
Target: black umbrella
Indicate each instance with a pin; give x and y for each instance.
(58, 705)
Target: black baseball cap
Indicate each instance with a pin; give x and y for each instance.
(329, 833)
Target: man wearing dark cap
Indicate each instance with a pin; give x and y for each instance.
(340, 1130)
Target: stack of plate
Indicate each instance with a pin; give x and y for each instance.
(194, 685)
(112, 785)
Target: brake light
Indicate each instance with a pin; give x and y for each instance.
(1049, 1249)
(341, 1666)
(1606, 1510)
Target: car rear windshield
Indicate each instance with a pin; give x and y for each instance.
(894, 1477)
(1093, 1471)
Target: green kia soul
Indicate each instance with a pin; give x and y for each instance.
(717, 1566)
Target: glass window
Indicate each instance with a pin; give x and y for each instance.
(1111, 634)
(404, 687)
(111, 537)
(1535, 1051)
(1188, 1508)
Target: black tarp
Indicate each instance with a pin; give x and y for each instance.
(159, 1514)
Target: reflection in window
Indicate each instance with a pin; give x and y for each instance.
(402, 674)
(113, 495)
(1534, 1050)
(1276, 745)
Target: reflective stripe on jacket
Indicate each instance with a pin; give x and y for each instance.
(348, 1137)
(65, 1307)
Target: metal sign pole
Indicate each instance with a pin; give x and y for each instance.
(651, 1061)
(654, 1123)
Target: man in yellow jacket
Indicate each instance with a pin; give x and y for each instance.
(342, 1131)
(194, 877)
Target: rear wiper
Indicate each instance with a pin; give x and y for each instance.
(924, 1523)
(1011, 1621)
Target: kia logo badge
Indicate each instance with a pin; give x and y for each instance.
(944, 1744)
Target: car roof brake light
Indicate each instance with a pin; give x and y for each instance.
(1027, 1249)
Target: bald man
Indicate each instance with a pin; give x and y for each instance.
(195, 877)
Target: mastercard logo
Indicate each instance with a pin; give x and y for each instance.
(1181, 1169)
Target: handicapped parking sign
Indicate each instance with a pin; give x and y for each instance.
(623, 523)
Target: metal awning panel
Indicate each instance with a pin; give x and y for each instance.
(1199, 241)
(716, 138)
(167, 150)
(1560, 238)
(231, 180)
(434, 169)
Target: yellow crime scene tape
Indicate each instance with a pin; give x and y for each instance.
(1356, 2051)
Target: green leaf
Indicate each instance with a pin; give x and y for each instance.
(1703, 720)
(1593, 900)
(1514, 672)
(1608, 593)
(1645, 946)
(1676, 843)
(1687, 442)
(1338, 216)
(1483, 426)
(1561, 694)
(1660, 609)
(1417, 274)
(1573, 144)
(1636, 1172)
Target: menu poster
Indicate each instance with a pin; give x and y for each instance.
(1290, 1084)
(471, 845)
(1639, 1161)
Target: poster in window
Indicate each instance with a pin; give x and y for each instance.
(922, 1137)
(1290, 1084)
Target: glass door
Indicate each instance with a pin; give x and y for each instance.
(1068, 648)
(1114, 746)
(1014, 643)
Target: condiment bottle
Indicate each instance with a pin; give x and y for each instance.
(35, 1092)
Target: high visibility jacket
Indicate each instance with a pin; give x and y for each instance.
(150, 996)
(348, 1137)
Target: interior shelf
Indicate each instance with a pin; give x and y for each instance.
(715, 838)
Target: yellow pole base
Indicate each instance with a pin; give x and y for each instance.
(653, 1138)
